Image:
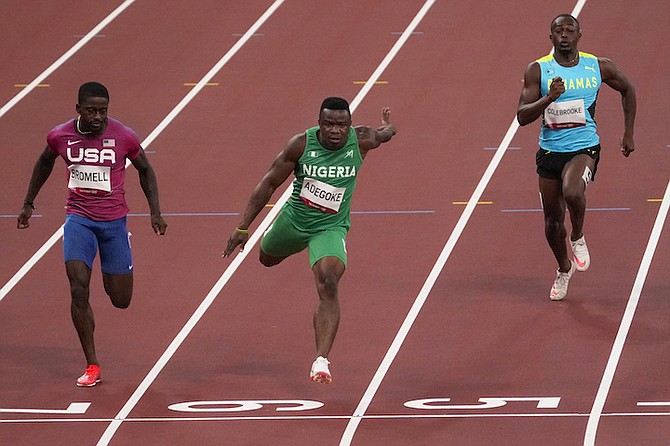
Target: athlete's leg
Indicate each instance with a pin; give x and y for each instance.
(327, 273)
(79, 275)
(282, 239)
(116, 261)
(119, 288)
(577, 173)
(553, 206)
(269, 260)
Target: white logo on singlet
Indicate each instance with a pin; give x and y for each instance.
(91, 155)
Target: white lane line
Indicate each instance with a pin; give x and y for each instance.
(413, 313)
(253, 239)
(389, 416)
(626, 321)
(11, 283)
(205, 304)
(61, 60)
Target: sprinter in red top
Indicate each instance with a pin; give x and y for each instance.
(95, 149)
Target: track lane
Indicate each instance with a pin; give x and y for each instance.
(635, 367)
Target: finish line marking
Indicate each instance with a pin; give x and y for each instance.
(333, 417)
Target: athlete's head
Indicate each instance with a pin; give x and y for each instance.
(334, 103)
(565, 32)
(334, 123)
(93, 101)
(92, 89)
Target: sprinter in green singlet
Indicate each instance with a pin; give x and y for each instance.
(325, 161)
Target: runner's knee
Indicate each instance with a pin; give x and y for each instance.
(79, 290)
(119, 288)
(327, 282)
(574, 196)
(268, 260)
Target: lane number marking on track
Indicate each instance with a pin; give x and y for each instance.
(244, 405)
(486, 403)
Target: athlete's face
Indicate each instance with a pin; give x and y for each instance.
(334, 128)
(93, 114)
(565, 34)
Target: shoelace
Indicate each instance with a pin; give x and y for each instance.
(562, 279)
(579, 245)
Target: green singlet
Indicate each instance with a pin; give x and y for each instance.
(324, 183)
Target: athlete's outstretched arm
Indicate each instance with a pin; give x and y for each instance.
(41, 171)
(369, 138)
(282, 166)
(613, 77)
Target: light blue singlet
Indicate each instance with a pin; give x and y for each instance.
(568, 123)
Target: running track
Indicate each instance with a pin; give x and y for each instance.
(447, 334)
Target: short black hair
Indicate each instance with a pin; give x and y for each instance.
(334, 103)
(568, 16)
(92, 90)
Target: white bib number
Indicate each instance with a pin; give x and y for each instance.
(90, 177)
(565, 115)
(322, 196)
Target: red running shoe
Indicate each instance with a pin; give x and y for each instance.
(90, 377)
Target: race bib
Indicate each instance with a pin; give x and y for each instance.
(321, 196)
(90, 177)
(565, 115)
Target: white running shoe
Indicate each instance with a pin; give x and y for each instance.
(581, 254)
(560, 287)
(320, 372)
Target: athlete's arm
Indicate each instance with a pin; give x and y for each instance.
(282, 166)
(531, 105)
(41, 171)
(369, 138)
(616, 79)
(150, 188)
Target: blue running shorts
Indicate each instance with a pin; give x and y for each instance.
(82, 238)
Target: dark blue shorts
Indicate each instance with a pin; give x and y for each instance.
(82, 238)
(550, 164)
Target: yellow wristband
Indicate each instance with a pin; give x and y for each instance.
(241, 231)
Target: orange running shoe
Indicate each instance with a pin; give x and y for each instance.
(90, 377)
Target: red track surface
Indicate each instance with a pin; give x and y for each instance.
(487, 328)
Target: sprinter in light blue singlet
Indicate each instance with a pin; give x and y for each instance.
(575, 109)
(562, 88)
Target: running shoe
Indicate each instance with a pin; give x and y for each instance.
(90, 377)
(320, 372)
(581, 254)
(560, 287)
